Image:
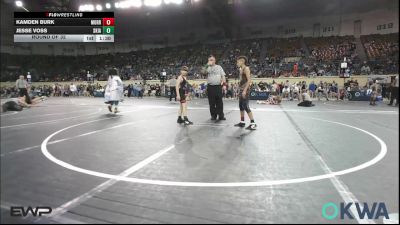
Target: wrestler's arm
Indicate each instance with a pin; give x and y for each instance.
(178, 85)
(247, 73)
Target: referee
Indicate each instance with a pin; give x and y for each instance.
(215, 79)
(22, 86)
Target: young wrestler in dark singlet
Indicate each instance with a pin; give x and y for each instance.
(244, 93)
(182, 90)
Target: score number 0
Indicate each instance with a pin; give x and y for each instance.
(108, 25)
(108, 21)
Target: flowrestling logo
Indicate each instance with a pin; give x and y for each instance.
(364, 210)
(20, 211)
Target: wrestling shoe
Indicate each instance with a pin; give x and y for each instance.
(180, 120)
(252, 126)
(187, 122)
(241, 124)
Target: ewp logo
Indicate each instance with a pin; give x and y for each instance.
(331, 211)
(20, 211)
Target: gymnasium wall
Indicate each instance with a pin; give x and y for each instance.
(342, 25)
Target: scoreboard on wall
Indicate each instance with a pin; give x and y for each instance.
(64, 26)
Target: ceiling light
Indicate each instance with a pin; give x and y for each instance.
(152, 3)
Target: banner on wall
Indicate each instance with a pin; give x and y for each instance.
(361, 95)
(383, 79)
(259, 95)
(99, 94)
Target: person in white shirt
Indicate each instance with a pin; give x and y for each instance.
(376, 90)
(286, 90)
(114, 91)
(73, 89)
(305, 100)
(29, 78)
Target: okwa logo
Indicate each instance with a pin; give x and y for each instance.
(331, 211)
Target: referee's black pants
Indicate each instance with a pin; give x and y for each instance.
(172, 91)
(394, 94)
(214, 93)
(23, 92)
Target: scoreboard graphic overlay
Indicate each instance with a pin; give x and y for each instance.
(64, 26)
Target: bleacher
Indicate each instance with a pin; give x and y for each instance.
(331, 48)
(326, 54)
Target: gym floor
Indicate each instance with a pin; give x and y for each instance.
(140, 166)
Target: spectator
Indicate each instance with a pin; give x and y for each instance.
(312, 88)
(376, 91)
(305, 100)
(73, 89)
